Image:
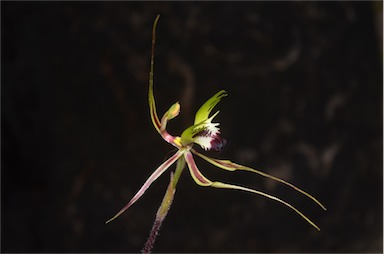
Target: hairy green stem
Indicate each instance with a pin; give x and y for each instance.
(165, 205)
(179, 168)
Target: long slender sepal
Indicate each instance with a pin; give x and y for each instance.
(200, 179)
(160, 216)
(151, 97)
(231, 166)
(156, 174)
(235, 187)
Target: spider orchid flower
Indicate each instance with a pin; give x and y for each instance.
(205, 133)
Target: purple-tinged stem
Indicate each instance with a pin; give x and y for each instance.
(165, 206)
(152, 237)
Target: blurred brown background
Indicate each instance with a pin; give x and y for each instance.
(305, 104)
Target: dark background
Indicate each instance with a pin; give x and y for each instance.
(305, 104)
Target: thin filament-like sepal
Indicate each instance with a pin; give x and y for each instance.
(151, 97)
(230, 166)
(156, 174)
(235, 187)
(201, 180)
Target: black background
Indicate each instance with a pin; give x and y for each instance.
(305, 104)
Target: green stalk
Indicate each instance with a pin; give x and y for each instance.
(179, 168)
(165, 205)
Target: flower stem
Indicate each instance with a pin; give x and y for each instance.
(179, 169)
(165, 205)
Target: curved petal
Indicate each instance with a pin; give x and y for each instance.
(230, 166)
(158, 172)
(151, 97)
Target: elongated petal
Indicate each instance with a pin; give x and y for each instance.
(203, 113)
(195, 173)
(235, 187)
(158, 172)
(230, 166)
(151, 97)
(201, 180)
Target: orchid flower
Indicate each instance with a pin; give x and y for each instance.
(205, 133)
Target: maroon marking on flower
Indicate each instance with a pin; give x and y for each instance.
(217, 143)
